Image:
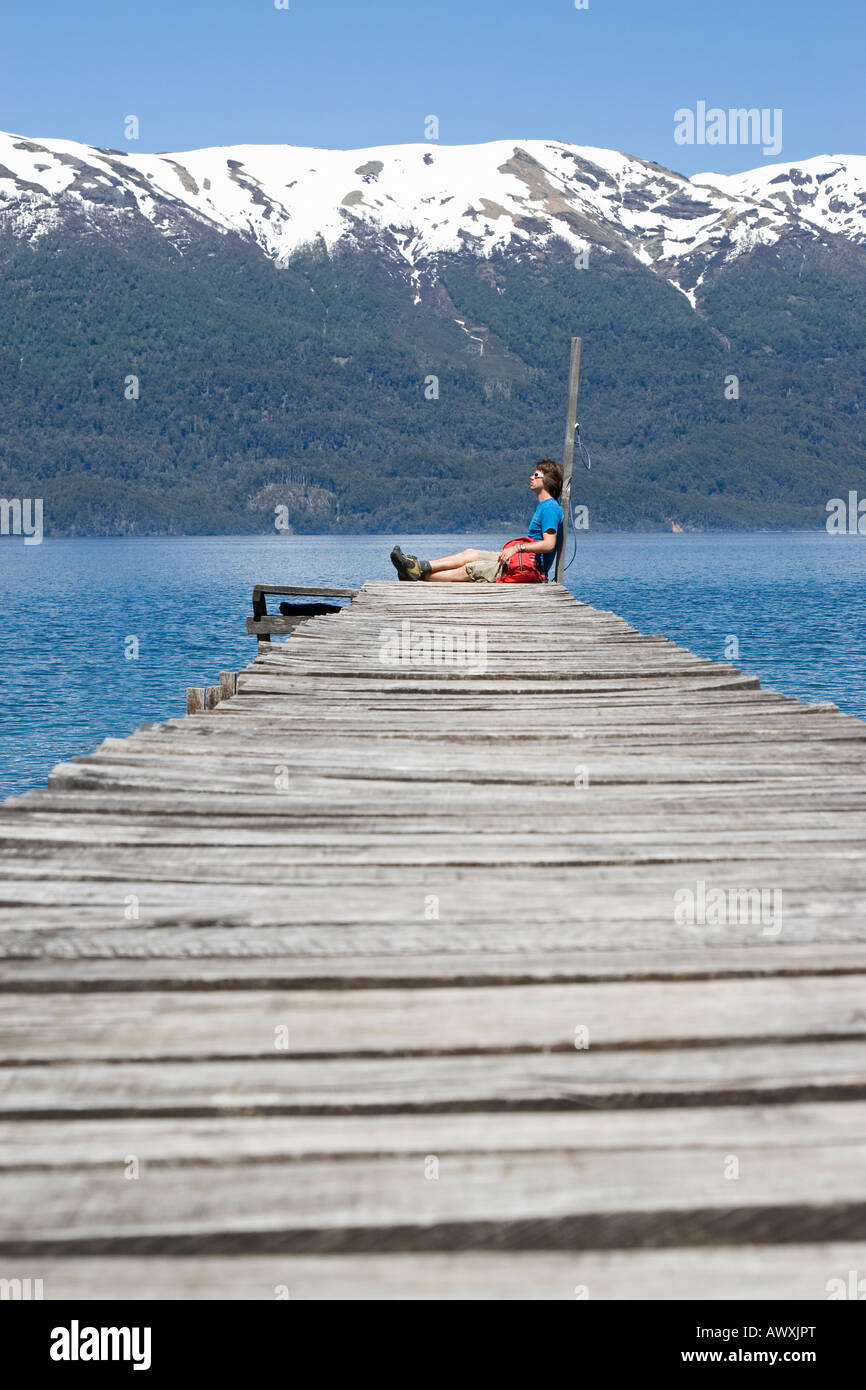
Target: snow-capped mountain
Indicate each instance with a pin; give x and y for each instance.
(187, 339)
(418, 201)
(828, 191)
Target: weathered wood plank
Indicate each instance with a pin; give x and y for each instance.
(742, 1272)
(503, 1018)
(568, 1200)
(368, 858)
(54, 1144)
(142, 959)
(592, 1080)
(297, 589)
(389, 911)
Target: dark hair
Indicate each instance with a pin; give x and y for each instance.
(552, 476)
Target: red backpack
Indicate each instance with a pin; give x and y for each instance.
(522, 567)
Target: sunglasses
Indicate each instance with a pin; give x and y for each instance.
(538, 475)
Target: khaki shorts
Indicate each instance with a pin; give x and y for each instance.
(485, 568)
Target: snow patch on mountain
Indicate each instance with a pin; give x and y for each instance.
(828, 191)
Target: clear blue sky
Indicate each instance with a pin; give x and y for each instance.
(350, 73)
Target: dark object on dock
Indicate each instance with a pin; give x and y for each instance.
(307, 610)
(262, 624)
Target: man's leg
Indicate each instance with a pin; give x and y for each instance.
(450, 568)
(453, 562)
(458, 575)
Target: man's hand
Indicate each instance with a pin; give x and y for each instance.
(506, 551)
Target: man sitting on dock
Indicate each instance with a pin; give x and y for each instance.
(545, 530)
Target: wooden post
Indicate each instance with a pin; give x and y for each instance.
(228, 684)
(211, 696)
(568, 451)
(195, 698)
(260, 610)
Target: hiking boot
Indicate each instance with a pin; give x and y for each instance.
(409, 566)
(415, 568)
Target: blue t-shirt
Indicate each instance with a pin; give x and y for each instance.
(546, 517)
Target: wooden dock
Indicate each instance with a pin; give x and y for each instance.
(536, 971)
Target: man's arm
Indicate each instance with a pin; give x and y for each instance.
(536, 547)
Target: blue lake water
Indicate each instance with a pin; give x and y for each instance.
(795, 603)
